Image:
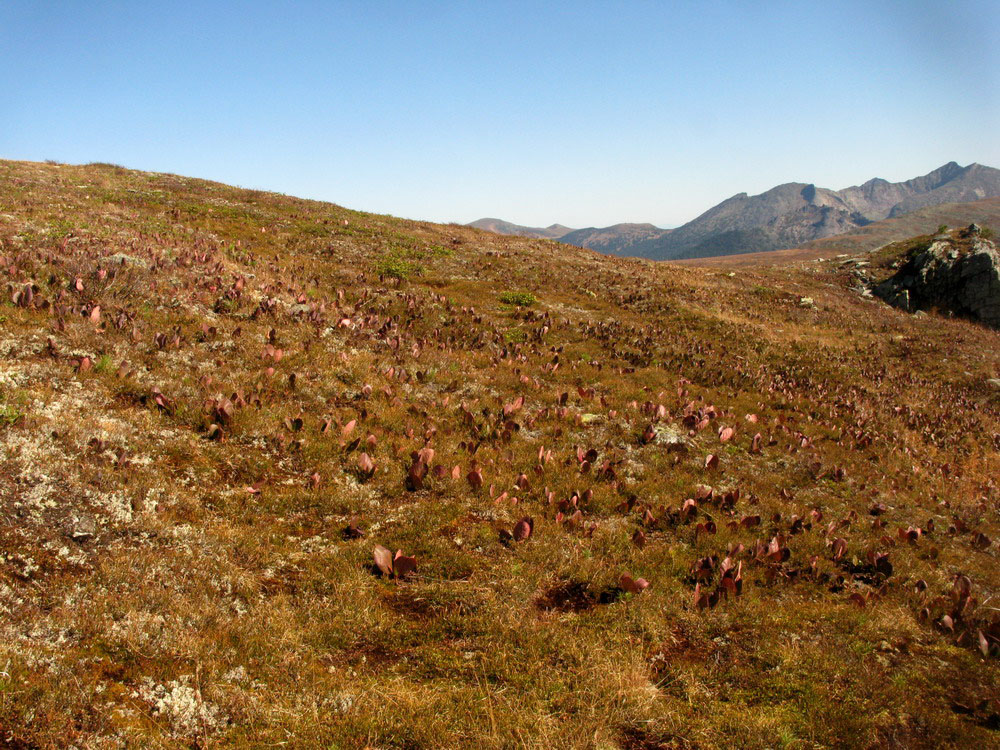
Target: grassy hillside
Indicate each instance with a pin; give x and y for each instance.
(922, 221)
(215, 405)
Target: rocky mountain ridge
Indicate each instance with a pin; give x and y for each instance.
(785, 216)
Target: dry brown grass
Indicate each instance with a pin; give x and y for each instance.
(164, 583)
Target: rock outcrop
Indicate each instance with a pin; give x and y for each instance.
(957, 273)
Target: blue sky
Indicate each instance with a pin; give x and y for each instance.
(582, 113)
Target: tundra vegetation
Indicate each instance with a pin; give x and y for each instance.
(274, 472)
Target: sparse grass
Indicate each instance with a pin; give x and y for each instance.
(167, 585)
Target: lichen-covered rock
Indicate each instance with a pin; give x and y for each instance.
(960, 275)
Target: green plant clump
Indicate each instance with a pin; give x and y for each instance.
(520, 299)
(9, 415)
(397, 268)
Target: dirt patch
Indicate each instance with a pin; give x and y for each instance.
(575, 596)
(636, 738)
(679, 649)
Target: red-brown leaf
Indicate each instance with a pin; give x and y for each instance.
(523, 529)
(839, 548)
(633, 585)
(402, 566)
(475, 479)
(383, 559)
(639, 538)
(366, 464)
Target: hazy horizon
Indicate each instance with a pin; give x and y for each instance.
(581, 114)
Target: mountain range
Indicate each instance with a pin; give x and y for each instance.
(785, 216)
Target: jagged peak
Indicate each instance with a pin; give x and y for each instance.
(950, 170)
(875, 181)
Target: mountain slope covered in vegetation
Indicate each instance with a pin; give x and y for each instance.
(499, 226)
(635, 505)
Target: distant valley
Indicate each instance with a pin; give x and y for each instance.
(786, 216)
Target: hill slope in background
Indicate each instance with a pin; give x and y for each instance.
(216, 404)
(614, 240)
(499, 226)
(787, 216)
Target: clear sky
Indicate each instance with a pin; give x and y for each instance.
(585, 113)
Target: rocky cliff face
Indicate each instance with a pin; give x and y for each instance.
(956, 273)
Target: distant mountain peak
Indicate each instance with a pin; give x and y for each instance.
(791, 214)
